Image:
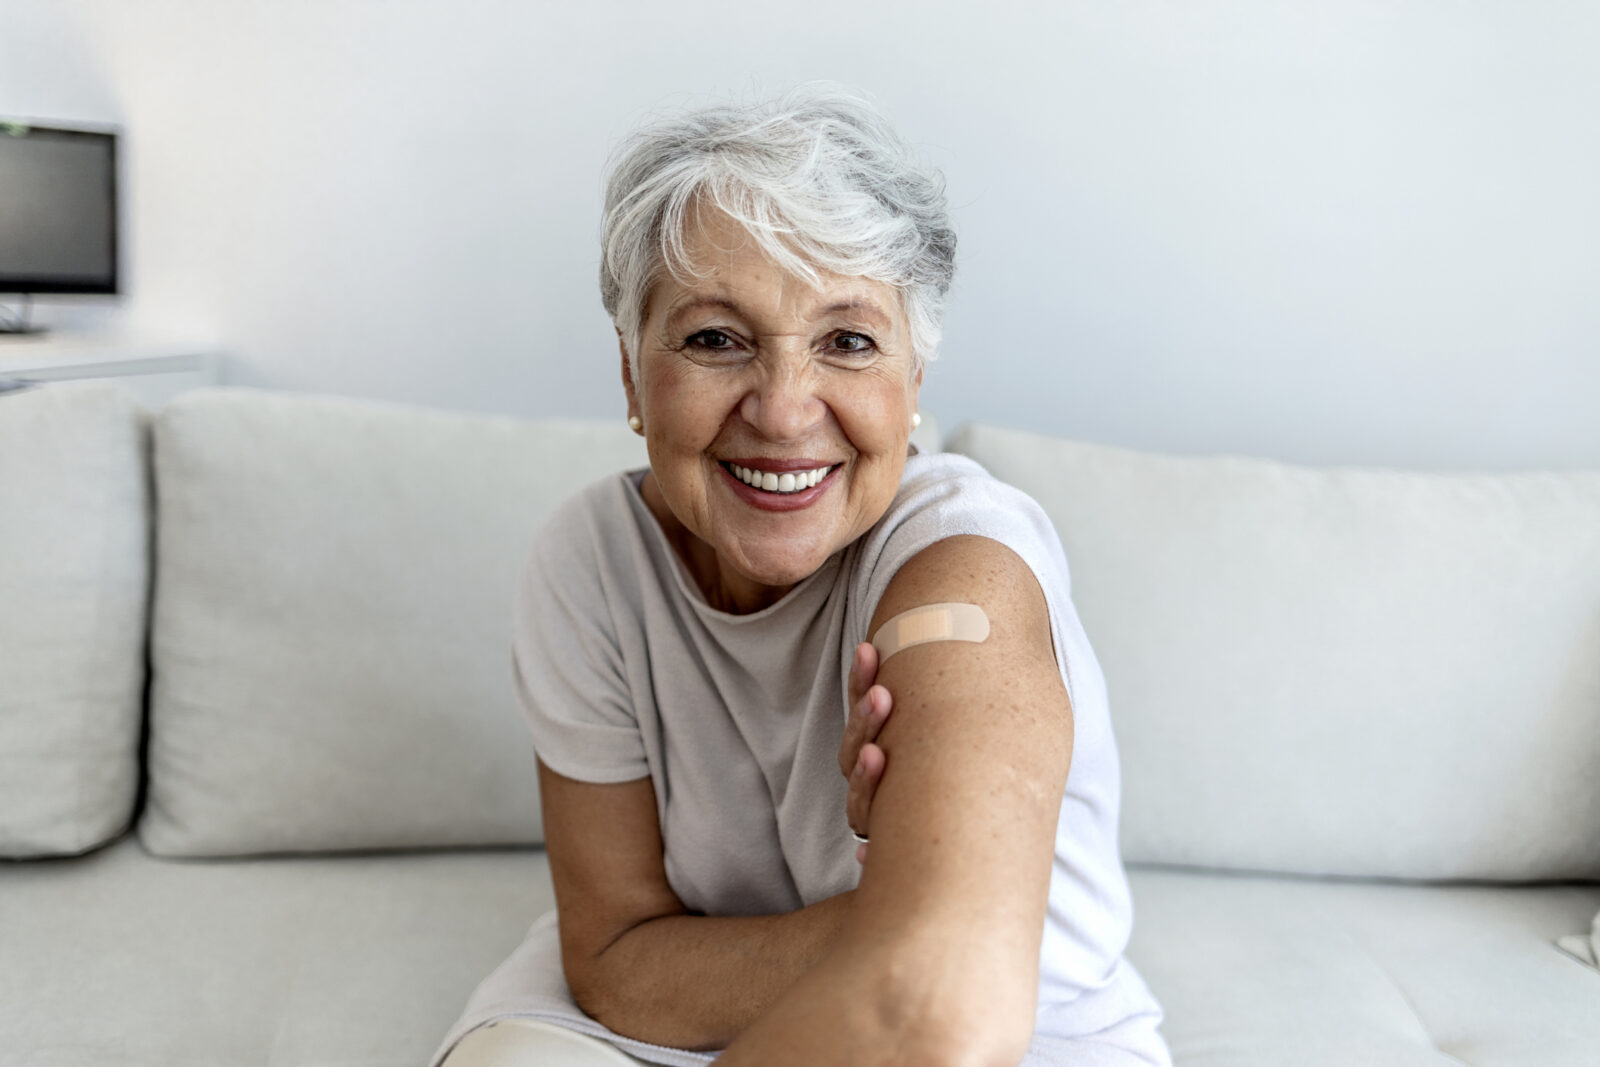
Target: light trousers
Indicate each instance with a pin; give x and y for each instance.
(514, 1042)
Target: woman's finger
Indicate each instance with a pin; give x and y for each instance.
(856, 687)
(864, 779)
(854, 732)
(863, 670)
(866, 720)
(878, 702)
(866, 664)
(858, 726)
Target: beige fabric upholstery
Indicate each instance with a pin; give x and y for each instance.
(331, 631)
(121, 958)
(1266, 971)
(74, 583)
(1343, 671)
(331, 961)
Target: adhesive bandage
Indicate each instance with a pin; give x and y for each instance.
(931, 622)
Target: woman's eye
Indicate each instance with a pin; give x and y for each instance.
(712, 339)
(853, 343)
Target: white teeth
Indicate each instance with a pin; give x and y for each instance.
(789, 482)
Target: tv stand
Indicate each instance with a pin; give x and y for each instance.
(19, 322)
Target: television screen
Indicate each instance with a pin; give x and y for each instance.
(58, 210)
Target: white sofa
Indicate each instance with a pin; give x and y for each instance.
(1358, 714)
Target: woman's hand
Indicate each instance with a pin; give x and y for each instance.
(860, 759)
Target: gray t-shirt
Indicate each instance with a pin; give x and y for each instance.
(625, 672)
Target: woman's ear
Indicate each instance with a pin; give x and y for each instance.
(627, 378)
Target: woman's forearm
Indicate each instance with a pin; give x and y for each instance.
(896, 997)
(691, 981)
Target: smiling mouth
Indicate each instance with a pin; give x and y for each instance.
(779, 483)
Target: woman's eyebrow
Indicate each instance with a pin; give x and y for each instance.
(859, 305)
(699, 302)
(856, 305)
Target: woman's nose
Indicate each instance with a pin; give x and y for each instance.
(784, 406)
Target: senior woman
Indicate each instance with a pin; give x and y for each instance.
(692, 650)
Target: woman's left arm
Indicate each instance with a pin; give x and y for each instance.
(938, 962)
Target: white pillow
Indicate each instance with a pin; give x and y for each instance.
(331, 638)
(74, 583)
(1336, 671)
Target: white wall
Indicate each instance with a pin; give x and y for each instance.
(1363, 232)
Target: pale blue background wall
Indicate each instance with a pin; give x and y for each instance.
(1340, 233)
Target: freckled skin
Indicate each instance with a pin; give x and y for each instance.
(772, 369)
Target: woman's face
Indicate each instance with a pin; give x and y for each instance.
(748, 374)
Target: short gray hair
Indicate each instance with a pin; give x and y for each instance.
(817, 177)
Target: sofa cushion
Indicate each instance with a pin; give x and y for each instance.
(1336, 671)
(74, 584)
(331, 630)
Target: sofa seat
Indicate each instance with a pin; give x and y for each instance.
(1265, 971)
(120, 958)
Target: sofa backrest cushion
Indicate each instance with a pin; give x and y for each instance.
(1336, 671)
(331, 631)
(74, 587)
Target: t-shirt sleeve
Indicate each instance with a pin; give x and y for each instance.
(949, 497)
(567, 664)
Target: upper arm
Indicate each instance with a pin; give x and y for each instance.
(604, 846)
(978, 749)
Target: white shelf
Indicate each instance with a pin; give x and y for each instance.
(153, 370)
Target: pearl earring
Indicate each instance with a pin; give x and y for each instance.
(916, 419)
(636, 424)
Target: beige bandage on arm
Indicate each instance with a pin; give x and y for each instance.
(931, 622)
